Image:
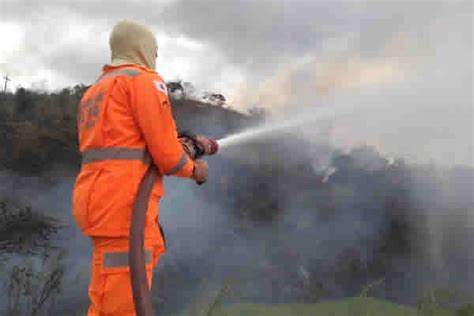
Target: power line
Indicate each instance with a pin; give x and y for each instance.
(6, 78)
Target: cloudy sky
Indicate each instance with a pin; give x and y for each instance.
(412, 60)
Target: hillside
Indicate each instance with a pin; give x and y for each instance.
(38, 130)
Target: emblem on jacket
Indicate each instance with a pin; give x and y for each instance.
(161, 86)
(89, 110)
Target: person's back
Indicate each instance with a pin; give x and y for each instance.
(128, 141)
(112, 115)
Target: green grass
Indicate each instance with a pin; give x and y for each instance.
(359, 306)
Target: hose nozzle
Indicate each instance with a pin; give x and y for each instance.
(214, 147)
(197, 145)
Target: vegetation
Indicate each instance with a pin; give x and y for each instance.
(24, 231)
(34, 285)
(348, 307)
(33, 268)
(38, 129)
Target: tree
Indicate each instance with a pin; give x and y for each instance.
(216, 99)
(25, 105)
(175, 86)
(180, 89)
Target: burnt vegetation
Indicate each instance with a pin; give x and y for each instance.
(23, 230)
(33, 288)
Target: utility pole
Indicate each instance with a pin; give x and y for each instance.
(6, 78)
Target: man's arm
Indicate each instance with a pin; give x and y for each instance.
(152, 110)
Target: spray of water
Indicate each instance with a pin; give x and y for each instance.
(276, 126)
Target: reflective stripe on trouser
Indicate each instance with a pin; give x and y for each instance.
(110, 289)
(117, 259)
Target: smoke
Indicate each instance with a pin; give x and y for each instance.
(276, 230)
(411, 95)
(313, 215)
(289, 218)
(304, 83)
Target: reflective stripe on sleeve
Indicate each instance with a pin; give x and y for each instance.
(182, 162)
(125, 72)
(115, 153)
(120, 259)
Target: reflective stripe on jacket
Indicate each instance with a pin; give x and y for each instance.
(125, 127)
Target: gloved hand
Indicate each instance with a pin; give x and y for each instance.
(210, 146)
(200, 173)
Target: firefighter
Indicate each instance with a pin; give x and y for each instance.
(126, 133)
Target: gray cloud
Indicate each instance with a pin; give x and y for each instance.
(259, 32)
(257, 35)
(254, 32)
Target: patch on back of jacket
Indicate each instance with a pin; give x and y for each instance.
(89, 110)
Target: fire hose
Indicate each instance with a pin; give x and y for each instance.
(140, 290)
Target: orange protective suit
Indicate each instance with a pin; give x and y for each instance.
(125, 127)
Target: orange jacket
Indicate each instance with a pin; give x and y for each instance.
(125, 124)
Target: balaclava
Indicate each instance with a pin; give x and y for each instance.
(133, 43)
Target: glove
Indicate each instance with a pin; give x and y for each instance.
(200, 172)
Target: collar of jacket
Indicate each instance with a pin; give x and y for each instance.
(108, 67)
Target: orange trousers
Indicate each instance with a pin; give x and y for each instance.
(110, 289)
